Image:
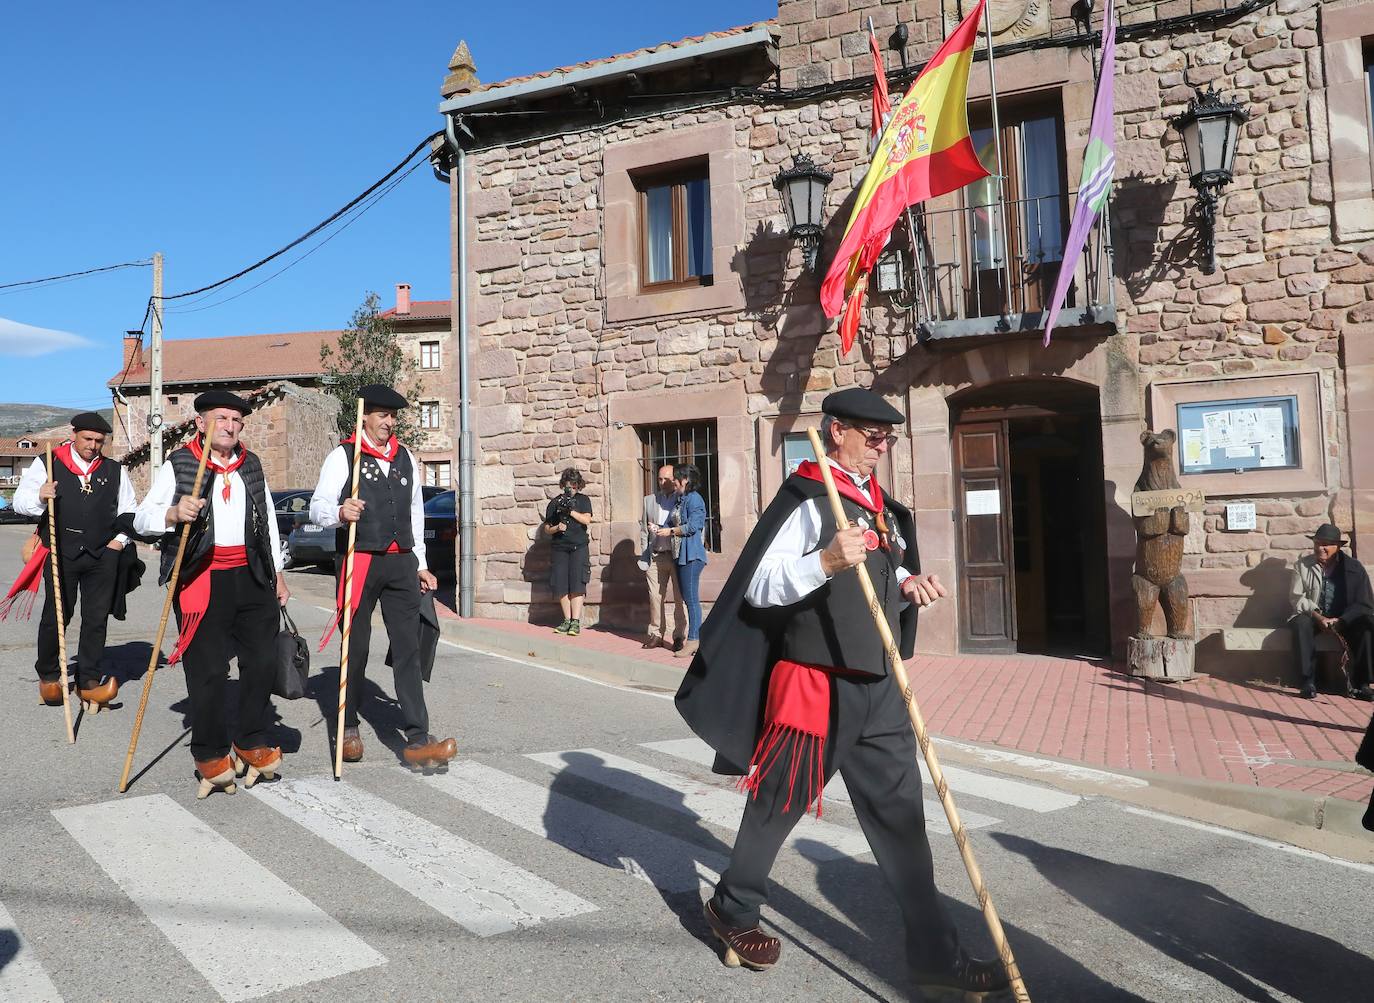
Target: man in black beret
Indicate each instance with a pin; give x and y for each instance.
(791, 684)
(91, 492)
(228, 591)
(1331, 594)
(388, 567)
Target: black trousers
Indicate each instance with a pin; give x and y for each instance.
(1359, 637)
(392, 579)
(93, 578)
(872, 746)
(242, 617)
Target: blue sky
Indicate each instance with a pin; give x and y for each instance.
(215, 133)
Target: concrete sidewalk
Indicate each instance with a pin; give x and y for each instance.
(1250, 746)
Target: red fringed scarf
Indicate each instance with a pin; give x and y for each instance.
(847, 489)
(193, 594)
(796, 723)
(214, 464)
(370, 450)
(362, 559)
(64, 454)
(24, 592)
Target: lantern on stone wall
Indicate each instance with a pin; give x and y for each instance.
(803, 202)
(1210, 129)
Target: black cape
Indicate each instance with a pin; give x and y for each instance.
(127, 578)
(723, 696)
(429, 636)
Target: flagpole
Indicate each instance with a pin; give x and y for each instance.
(1001, 176)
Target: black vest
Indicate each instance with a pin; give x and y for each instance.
(386, 519)
(257, 540)
(85, 520)
(832, 626)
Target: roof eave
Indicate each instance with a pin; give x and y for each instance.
(602, 73)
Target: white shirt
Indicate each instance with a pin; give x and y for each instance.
(664, 506)
(335, 476)
(27, 502)
(229, 516)
(790, 569)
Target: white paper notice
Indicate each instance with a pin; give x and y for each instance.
(1195, 451)
(1240, 452)
(1217, 426)
(1273, 448)
(982, 502)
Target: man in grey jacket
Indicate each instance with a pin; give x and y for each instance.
(660, 571)
(1331, 592)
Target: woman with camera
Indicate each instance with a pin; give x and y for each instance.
(566, 520)
(689, 548)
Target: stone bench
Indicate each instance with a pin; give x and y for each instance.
(1275, 639)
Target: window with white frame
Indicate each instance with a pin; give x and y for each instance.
(429, 355)
(429, 414)
(437, 473)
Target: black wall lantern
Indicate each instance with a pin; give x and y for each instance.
(1210, 129)
(803, 201)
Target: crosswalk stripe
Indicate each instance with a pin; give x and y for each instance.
(663, 860)
(694, 750)
(475, 888)
(245, 930)
(22, 979)
(820, 841)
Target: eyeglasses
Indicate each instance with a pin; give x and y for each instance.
(874, 437)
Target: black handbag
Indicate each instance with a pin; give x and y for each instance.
(293, 661)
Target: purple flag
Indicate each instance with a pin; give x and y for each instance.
(1099, 161)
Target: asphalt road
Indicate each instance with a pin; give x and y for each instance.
(563, 856)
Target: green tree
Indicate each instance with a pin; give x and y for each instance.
(369, 352)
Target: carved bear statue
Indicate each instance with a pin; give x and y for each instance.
(1159, 545)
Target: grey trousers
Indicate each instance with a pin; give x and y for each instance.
(661, 578)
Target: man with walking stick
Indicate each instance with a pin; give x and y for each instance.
(388, 567)
(90, 492)
(228, 592)
(792, 684)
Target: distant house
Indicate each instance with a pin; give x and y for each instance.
(424, 327)
(17, 454)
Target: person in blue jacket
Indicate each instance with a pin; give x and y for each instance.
(689, 548)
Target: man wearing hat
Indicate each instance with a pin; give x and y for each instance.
(228, 591)
(91, 492)
(791, 685)
(1331, 593)
(388, 567)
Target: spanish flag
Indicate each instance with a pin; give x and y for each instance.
(925, 152)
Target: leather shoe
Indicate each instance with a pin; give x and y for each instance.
(352, 746)
(50, 693)
(98, 696)
(1363, 693)
(652, 641)
(430, 752)
(1308, 691)
(747, 946)
(974, 976)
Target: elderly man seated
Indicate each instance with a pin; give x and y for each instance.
(1331, 592)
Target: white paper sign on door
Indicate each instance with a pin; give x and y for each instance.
(982, 502)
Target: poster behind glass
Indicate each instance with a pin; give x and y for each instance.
(1258, 433)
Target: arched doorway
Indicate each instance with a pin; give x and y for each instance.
(1030, 517)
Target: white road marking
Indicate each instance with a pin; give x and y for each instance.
(22, 979)
(1245, 837)
(243, 928)
(475, 888)
(814, 839)
(694, 750)
(663, 860)
(1069, 771)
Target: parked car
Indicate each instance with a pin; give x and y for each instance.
(307, 543)
(292, 507)
(9, 515)
(441, 533)
(310, 544)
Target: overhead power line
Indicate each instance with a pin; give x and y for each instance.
(76, 275)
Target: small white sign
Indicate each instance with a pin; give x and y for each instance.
(982, 502)
(1240, 516)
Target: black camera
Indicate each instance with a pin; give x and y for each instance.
(562, 505)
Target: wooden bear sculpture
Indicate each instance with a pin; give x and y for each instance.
(1159, 545)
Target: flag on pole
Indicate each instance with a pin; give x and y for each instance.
(882, 104)
(1099, 161)
(925, 152)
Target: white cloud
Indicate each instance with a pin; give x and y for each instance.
(27, 340)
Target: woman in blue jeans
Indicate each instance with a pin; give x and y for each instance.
(689, 549)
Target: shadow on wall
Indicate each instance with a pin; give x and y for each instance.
(1140, 208)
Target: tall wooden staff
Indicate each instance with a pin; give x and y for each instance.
(166, 611)
(57, 604)
(918, 723)
(348, 596)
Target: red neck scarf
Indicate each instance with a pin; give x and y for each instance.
(370, 450)
(64, 454)
(214, 464)
(847, 489)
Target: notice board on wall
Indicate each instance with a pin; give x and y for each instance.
(1256, 433)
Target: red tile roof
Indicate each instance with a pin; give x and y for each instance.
(422, 310)
(249, 357)
(661, 47)
(10, 447)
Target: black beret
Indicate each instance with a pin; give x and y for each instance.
(89, 421)
(377, 395)
(212, 399)
(858, 404)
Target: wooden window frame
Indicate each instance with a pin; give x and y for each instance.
(678, 176)
(438, 355)
(425, 412)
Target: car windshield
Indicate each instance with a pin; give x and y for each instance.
(443, 504)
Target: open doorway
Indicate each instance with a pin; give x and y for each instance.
(1031, 519)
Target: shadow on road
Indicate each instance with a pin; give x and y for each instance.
(1198, 926)
(9, 947)
(379, 710)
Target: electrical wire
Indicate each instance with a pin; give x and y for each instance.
(76, 275)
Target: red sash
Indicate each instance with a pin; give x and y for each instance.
(796, 723)
(24, 591)
(193, 594)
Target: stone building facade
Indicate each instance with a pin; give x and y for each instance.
(1020, 460)
(425, 330)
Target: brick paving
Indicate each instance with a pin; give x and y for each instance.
(1090, 712)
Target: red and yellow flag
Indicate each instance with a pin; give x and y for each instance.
(925, 152)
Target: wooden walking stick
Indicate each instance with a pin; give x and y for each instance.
(166, 612)
(348, 596)
(57, 604)
(918, 723)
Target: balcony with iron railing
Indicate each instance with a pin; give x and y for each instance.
(981, 270)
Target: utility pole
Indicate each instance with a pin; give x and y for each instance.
(155, 375)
